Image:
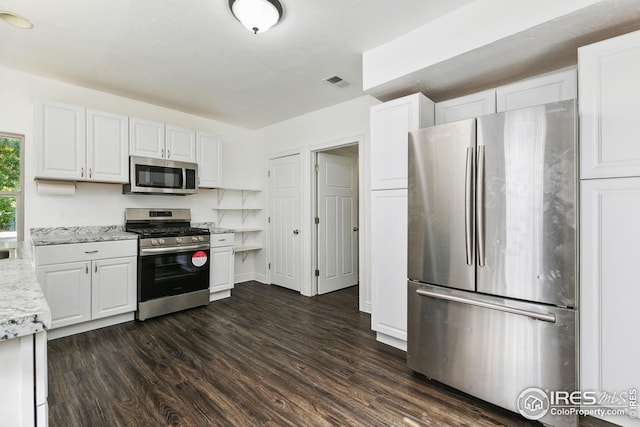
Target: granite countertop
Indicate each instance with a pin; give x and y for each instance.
(67, 235)
(23, 307)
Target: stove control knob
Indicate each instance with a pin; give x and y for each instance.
(154, 241)
(178, 239)
(162, 241)
(200, 239)
(194, 239)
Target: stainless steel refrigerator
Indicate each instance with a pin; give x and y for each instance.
(492, 301)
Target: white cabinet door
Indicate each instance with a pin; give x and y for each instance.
(559, 86)
(60, 141)
(180, 144)
(146, 138)
(67, 288)
(17, 382)
(222, 269)
(391, 123)
(209, 155)
(113, 287)
(107, 147)
(466, 107)
(609, 105)
(609, 272)
(389, 266)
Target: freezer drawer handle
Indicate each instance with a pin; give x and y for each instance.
(545, 317)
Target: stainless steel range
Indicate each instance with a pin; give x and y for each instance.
(173, 261)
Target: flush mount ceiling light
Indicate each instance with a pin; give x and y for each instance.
(256, 15)
(15, 20)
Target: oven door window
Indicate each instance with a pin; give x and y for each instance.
(172, 274)
(158, 176)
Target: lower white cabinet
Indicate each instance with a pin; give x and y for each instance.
(222, 265)
(609, 291)
(88, 281)
(23, 381)
(389, 266)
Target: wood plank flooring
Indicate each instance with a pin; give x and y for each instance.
(264, 357)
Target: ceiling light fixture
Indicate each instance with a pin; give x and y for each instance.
(256, 15)
(15, 20)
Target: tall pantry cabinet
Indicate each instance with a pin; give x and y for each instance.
(609, 101)
(391, 123)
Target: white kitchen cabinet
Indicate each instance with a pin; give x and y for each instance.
(609, 105)
(23, 381)
(107, 147)
(60, 140)
(222, 265)
(391, 123)
(552, 87)
(113, 286)
(85, 283)
(389, 266)
(67, 288)
(160, 141)
(75, 144)
(209, 155)
(146, 138)
(466, 107)
(609, 296)
(180, 144)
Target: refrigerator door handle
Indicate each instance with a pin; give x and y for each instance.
(468, 205)
(480, 206)
(545, 317)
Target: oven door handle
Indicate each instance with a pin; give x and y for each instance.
(173, 249)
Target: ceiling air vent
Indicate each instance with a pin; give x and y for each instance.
(336, 81)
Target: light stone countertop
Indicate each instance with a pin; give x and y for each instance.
(23, 307)
(212, 227)
(68, 235)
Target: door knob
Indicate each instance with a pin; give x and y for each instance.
(296, 232)
(355, 229)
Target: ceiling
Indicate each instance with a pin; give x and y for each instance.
(193, 56)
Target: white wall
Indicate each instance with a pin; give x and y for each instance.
(340, 124)
(104, 204)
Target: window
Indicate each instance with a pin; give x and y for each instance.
(11, 202)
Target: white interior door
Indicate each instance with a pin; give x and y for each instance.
(338, 226)
(285, 217)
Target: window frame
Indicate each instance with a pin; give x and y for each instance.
(18, 194)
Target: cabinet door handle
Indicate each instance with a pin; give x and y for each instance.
(91, 252)
(162, 153)
(90, 172)
(168, 153)
(95, 268)
(81, 172)
(221, 240)
(86, 269)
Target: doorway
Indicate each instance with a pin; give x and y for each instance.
(336, 218)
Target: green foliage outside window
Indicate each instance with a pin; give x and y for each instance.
(9, 180)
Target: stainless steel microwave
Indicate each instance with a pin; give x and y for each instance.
(160, 176)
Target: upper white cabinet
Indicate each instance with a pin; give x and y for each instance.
(209, 155)
(609, 106)
(180, 144)
(60, 141)
(146, 138)
(80, 145)
(466, 107)
(107, 146)
(160, 141)
(554, 87)
(391, 123)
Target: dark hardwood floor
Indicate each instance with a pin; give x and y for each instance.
(264, 357)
